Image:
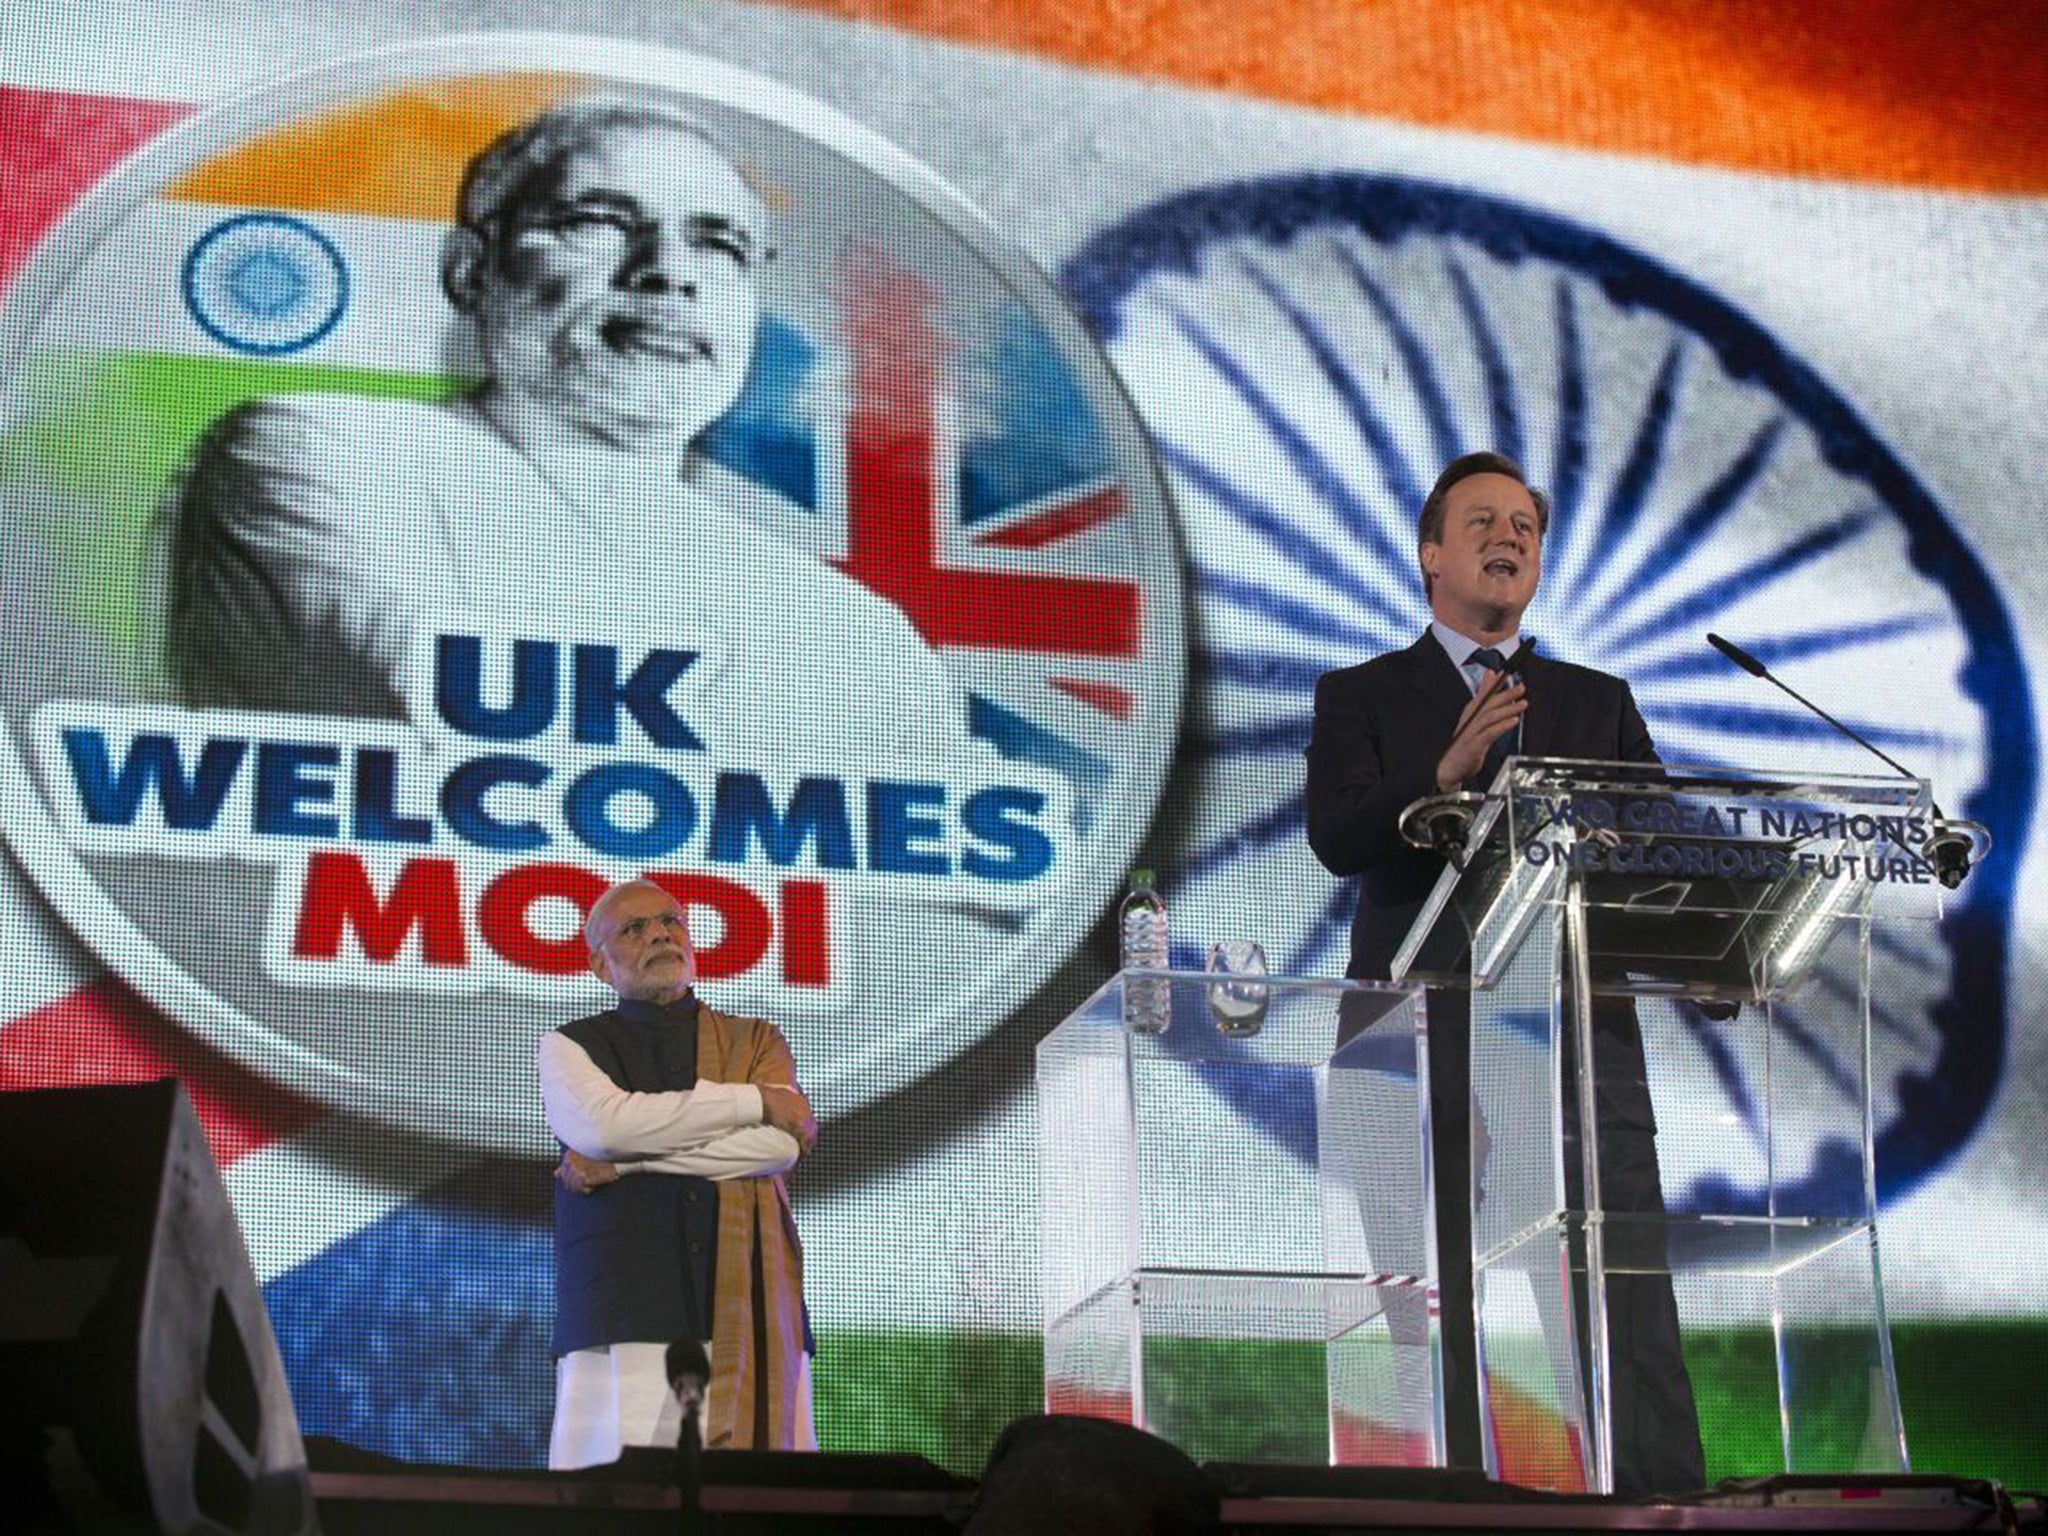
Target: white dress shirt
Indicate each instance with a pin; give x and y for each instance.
(1461, 646)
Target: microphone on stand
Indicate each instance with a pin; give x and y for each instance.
(1442, 824)
(689, 1375)
(1522, 653)
(1952, 843)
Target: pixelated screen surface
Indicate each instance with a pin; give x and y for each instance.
(392, 563)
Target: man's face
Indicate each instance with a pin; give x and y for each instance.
(1485, 569)
(622, 294)
(643, 949)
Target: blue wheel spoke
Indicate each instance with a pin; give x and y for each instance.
(1696, 523)
(1289, 612)
(1289, 735)
(1637, 481)
(1751, 580)
(1274, 826)
(1422, 372)
(1713, 1040)
(1333, 926)
(1794, 646)
(1569, 452)
(1307, 459)
(1398, 478)
(1793, 724)
(1265, 671)
(1882, 1017)
(1504, 405)
(1815, 1050)
(1276, 532)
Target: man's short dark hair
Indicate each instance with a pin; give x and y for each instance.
(506, 171)
(525, 163)
(1429, 526)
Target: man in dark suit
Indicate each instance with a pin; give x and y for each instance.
(1436, 717)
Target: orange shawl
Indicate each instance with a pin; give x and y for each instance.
(757, 1335)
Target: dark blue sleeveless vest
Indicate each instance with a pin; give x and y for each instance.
(635, 1261)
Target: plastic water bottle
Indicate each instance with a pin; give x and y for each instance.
(1141, 945)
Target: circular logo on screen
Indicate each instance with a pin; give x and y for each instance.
(265, 283)
(627, 468)
(1309, 350)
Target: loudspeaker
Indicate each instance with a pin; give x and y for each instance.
(144, 1389)
(1089, 1477)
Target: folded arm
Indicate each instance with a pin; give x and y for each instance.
(592, 1115)
(784, 1104)
(757, 1152)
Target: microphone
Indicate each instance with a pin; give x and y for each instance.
(1950, 847)
(689, 1375)
(688, 1365)
(1442, 824)
(1739, 656)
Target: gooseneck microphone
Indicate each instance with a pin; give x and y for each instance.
(1442, 824)
(1950, 847)
(1755, 668)
(688, 1365)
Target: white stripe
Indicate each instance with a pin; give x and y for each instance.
(299, 1197)
(130, 297)
(40, 961)
(953, 1239)
(1908, 301)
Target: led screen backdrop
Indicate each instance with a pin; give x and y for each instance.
(1067, 419)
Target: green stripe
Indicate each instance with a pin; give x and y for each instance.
(1970, 1392)
(109, 432)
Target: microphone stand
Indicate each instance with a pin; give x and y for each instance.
(689, 1374)
(1952, 845)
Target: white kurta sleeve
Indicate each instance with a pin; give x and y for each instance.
(589, 1112)
(754, 1153)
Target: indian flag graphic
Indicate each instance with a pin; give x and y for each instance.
(1749, 289)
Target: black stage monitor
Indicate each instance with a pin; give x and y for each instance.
(143, 1385)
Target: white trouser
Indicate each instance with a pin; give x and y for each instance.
(611, 1397)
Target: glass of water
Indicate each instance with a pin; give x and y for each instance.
(1238, 993)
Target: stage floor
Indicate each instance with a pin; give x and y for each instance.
(754, 1491)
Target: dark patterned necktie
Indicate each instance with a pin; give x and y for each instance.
(1505, 746)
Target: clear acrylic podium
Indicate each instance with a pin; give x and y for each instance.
(1238, 1237)
(1667, 888)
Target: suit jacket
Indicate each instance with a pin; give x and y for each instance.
(1379, 730)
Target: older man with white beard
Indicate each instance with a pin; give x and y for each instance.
(677, 1123)
(606, 254)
